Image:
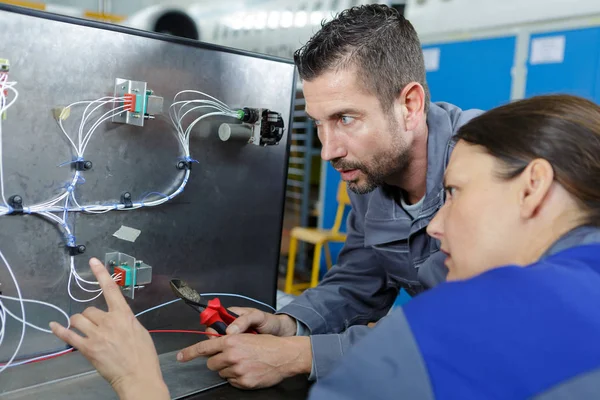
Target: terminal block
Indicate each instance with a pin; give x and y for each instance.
(140, 103)
(267, 126)
(130, 274)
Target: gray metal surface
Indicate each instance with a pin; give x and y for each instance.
(182, 379)
(221, 234)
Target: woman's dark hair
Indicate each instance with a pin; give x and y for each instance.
(562, 129)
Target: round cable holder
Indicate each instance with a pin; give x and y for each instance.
(185, 163)
(83, 165)
(15, 202)
(76, 250)
(126, 199)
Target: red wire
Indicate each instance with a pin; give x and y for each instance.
(152, 331)
(183, 331)
(49, 357)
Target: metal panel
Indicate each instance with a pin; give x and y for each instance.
(576, 74)
(221, 234)
(473, 74)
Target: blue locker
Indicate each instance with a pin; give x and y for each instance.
(473, 74)
(577, 74)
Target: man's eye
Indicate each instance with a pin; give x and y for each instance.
(316, 122)
(346, 120)
(450, 190)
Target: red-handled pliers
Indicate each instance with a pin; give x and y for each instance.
(212, 314)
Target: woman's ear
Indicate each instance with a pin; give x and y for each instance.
(536, 180)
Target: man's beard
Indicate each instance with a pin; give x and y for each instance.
(390, 162)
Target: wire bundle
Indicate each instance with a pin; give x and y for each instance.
(57, 209)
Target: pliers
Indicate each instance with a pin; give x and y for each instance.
(212, 314)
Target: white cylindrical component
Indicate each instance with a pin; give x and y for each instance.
(236, 132)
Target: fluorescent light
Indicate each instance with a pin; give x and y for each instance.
(260, 21)
(316, 17)
(301, 19)
(273, 21)
(287, 19)
(249, 21)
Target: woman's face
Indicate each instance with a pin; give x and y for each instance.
(479, 225)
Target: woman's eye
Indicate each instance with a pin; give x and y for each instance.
(450, 191)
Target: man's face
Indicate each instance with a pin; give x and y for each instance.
(362, 142)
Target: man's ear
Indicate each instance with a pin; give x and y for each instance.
(412, 102)
(535, 180)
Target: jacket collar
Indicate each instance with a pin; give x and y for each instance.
(384, 214)
(576, 237)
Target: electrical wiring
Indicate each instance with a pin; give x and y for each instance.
(184, 331)
(58, 208)
(63, 352)
(43, 303)
(241, 297)
(4, 106)
(23, 317)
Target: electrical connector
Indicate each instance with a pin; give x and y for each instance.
(130, 102)
(139, 102)
(4, 65)
(130, 274)
(122, 275)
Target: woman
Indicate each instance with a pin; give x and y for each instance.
(522, 192)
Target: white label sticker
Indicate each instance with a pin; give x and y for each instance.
(127, 233)
(432, 59)
(547, 50)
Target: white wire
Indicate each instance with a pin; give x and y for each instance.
(43, 303)
(75, 298)
(16, 364)
(104, 117)
(3, 322)
(206, 295)
(20, 299)
(3, 108)
(157, 307)
(240, 296)
(201, 93)
(189, 128)
(84, 118)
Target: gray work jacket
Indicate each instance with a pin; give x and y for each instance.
(385, 250)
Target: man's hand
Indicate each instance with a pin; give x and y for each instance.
(250, 361)
(262, 322)
(116, 344)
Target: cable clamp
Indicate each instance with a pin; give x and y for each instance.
(126, 199)
(16, 205)
(82, 165)
(76, 250)
(186, 163)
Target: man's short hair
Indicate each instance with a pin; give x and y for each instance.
(375, 39)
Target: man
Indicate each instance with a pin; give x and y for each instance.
(364, 83)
